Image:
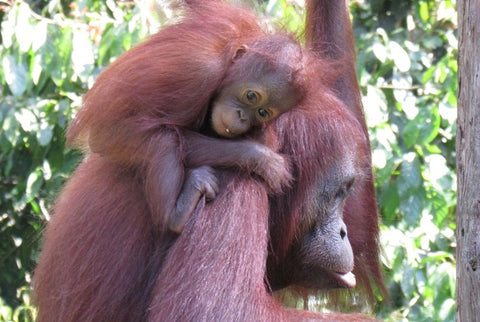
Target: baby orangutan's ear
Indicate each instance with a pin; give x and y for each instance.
(241, 50)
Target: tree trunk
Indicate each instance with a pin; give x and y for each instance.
(468, 163)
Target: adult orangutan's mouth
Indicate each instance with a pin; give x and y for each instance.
(347, 280)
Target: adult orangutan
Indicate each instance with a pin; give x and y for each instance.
(220, 276)
(106, 256)
(328, 36)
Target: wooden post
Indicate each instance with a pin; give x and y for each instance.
(468, 162)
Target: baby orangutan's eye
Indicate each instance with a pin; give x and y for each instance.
(252, 96)
(263, 113)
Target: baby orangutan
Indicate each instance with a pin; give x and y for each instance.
(189, 88)
(247, 99)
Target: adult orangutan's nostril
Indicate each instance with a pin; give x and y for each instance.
(343, 233)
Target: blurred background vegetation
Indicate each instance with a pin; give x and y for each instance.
(52, 51)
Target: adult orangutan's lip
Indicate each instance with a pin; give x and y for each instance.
(346, 279)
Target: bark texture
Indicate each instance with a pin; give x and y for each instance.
(468, 163)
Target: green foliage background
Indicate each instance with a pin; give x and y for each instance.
(51, 52)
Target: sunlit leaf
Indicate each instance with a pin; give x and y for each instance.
(435, 167)
(34, 183)
(39, 35)
(61, 57)
(45, 134)
(380, 51)
(375, 105)
(15, 75)
(379, 158)
(424, 12)
(400, 56)
(10, 128)
(428, 74)
(27, 119)
(433, 149)
(404, 94)
(437, 257)
(47, 171)
(447, 310)
(8, 29)
(439, 208)
(82, 54)
(37, 69)
(24, 30)
(408, 102)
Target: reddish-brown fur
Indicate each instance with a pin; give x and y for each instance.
(138, 108)
(105, 258)
(227, 281)
(328, 38)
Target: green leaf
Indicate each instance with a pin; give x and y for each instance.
(432, 42)
(24, 30)
(106, 44)
(410, 176)
(82, 55)
(15, 75)
(437, 257)
(439, 209)
(428, 124)
(427, 75)
(375, 105)
(10, 128)
(436, 171)
(61, 54)
(8, 29)
(390, 201)
(45, 134)
(37, 69)
(433, 149)
(27, 120)
(63, 110)
(420, 281)
(34, 183)
(407, 282)
(380, 51)
(412, 207)
(39, 35)
(424, 12)
(447, 310)
(410, 134)
(400, 57)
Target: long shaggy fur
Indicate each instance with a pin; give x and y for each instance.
(104, 257)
